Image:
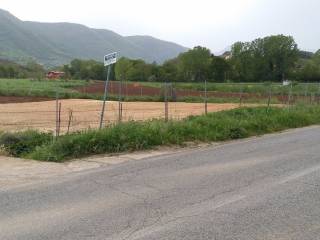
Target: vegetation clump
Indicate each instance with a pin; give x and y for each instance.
(21, 143)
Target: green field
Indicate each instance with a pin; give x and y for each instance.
(66, 89)
(259, 88)
(43, 88)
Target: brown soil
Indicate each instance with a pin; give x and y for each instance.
(136, 89)
(129, 89)
(86, 113)
(13, 99)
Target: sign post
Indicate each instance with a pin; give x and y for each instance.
(108, 61)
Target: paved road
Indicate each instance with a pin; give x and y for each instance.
(262, 188)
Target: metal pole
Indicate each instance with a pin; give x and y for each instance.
(69, 120)
(240, 101)
(166, 103)
(105, 96)
(120, 99)
(205, 97)
(290, 93)
(59, 119)
(269, 97)
(318, 97)
(57, 113)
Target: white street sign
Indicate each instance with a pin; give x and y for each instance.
(110, 59)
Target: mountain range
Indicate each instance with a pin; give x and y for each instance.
(53, 44)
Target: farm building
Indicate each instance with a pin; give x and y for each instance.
(54, 75)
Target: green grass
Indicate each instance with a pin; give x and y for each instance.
(131, 136)
(258, 88)
(47, 88)
(21, 143)
(39, 88)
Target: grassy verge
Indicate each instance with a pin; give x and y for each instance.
(131, 136)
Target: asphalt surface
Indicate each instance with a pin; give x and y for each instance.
(261, 188)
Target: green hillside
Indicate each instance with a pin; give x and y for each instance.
(56, 43)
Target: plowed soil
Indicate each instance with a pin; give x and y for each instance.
(136, 89)
(13, 99)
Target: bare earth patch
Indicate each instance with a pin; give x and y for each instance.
(86, 113)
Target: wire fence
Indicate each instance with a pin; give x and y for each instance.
(68, 115)
(76, 115)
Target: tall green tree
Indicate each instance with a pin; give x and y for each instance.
(219, 68)
(194, 65)
(281, 53)
(270, 58)
(122, 68)
(242, 61)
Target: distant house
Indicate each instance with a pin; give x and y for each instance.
(54, 75)
(227, 55)
(286, 83)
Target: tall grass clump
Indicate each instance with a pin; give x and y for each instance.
(21, 143)
(220, 126)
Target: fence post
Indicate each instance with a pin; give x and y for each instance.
(240, 100)
(120, 100)
(166, 107)
(57, 113)
(289, 95)
(59, 119)
(269, 97)
(69, 120)
(205, 97)
(318, 97)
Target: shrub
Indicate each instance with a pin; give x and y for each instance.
(21, 143)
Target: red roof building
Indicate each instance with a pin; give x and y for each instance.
(54, 75)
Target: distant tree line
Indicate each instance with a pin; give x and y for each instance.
(10, 69)
(84, 70)
(273, 58)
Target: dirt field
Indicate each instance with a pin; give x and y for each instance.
(128, 89)
(14, 99)
(86, 113)
(136, 89)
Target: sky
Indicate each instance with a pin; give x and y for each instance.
(215, 24)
